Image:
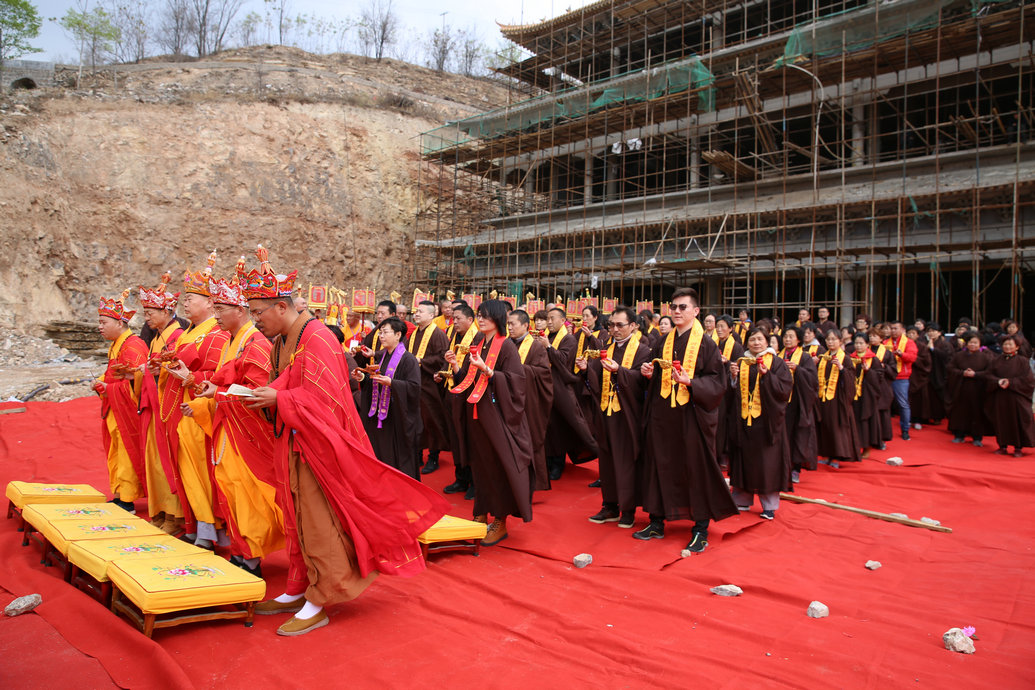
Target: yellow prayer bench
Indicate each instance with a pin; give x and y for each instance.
(58, 525)
(89, 559)
(20, 494)
(173, 590)
(452, 533)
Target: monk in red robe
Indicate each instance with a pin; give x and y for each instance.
(354, 516)
(119, 390)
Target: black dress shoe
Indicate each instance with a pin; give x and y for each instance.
(455, 488)
(469, 496)
(605, 515)
(595, 484)
(430, 466)
(905, 435)
(555, 473)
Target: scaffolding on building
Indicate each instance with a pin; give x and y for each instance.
(871, 156)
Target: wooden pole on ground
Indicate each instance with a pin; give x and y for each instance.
(863, 511)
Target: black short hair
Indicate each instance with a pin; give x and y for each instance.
(460, 303)
(647, 314)
(338, 333)
(539, 315)
(387, 303)
(592, 310)
(558, 309)
(756, 329)
(726, 319)
(463, 309)
(687, 292)
(522, 316)
(630, 315)
(496, 311)
(427, 303)
(796, 331)
(395, 323)
(810, 326)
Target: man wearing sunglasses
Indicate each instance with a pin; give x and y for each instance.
(685, 383)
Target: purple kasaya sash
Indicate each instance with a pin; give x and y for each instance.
(383, 394)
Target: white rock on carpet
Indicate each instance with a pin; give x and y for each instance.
(818, 609)
(930, 521)
(873, 565)
(582, 560)
(23, 605)
(727, 591)
(956, 640)
(895, 462)
(900, 515)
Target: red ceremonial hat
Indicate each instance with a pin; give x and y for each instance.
(264, 283)
(159, 298)
(197, 282)
(116, 308)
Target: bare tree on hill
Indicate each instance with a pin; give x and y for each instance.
(378, 27)
(174, 27)
(131, 18)
(210, 20)
(441, 44)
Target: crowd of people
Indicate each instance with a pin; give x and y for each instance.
(254, 424)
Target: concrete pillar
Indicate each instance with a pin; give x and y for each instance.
(587, 180)
(530, 180)
(718, 38)
(713, 293)
(616, 62)
(695, 160)
(846, 314)
(611, 169)
(858, 135)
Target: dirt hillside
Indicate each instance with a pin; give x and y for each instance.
(144, 168)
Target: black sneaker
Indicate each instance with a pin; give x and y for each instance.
(125, 505)
(698, 543)
(959, 439)
(469, 495)
(905, 435)
(605, 515)
(594, 484)
(767, 515)
(430, 466)
(455, 488)
(627, 520)
(655, 530)
(239, 562)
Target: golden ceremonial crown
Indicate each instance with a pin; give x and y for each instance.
(264, 283)
(116, 308)
(197, 282)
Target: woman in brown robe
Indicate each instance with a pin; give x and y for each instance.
(837, 435)
(492, 386)
(1010, 385)
(760, 461)
(801, 410)
(967, 390)
(869, 374)
(887, 393)
(730, 350)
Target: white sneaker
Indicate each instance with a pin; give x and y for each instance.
(917, 427)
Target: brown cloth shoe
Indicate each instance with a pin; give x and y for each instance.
(496, 533)
(300, 626)
(170, 526)
(272, 607)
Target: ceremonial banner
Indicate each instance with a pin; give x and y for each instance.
(317, 296)
(609, 306)
(363, 301)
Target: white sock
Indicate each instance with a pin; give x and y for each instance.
(288, 598)
(308, 611)
(203, 543)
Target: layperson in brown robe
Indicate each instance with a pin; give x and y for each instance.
(811, 342)
(429, 344)
(615, 383)
(920, 407)
(569, 432)
(967, 390)
(465, 337)
(499, 449)
(837, 437)
(760, 460)
(730, 350)
(681, 476)
(389, 402)
(538, 391)
(941, 354)
(1011, 385)
(823, 323)
(801, 409)
(868, 367)
(1023, 346)
(887, 393)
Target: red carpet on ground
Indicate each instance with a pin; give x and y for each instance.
(639, 616)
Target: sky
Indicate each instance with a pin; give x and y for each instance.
(417, 16)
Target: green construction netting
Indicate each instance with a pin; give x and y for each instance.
(862, 27)
(643, 85)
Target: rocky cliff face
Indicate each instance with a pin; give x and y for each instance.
(152, 167)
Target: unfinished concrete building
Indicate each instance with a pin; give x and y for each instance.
(869, 156)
